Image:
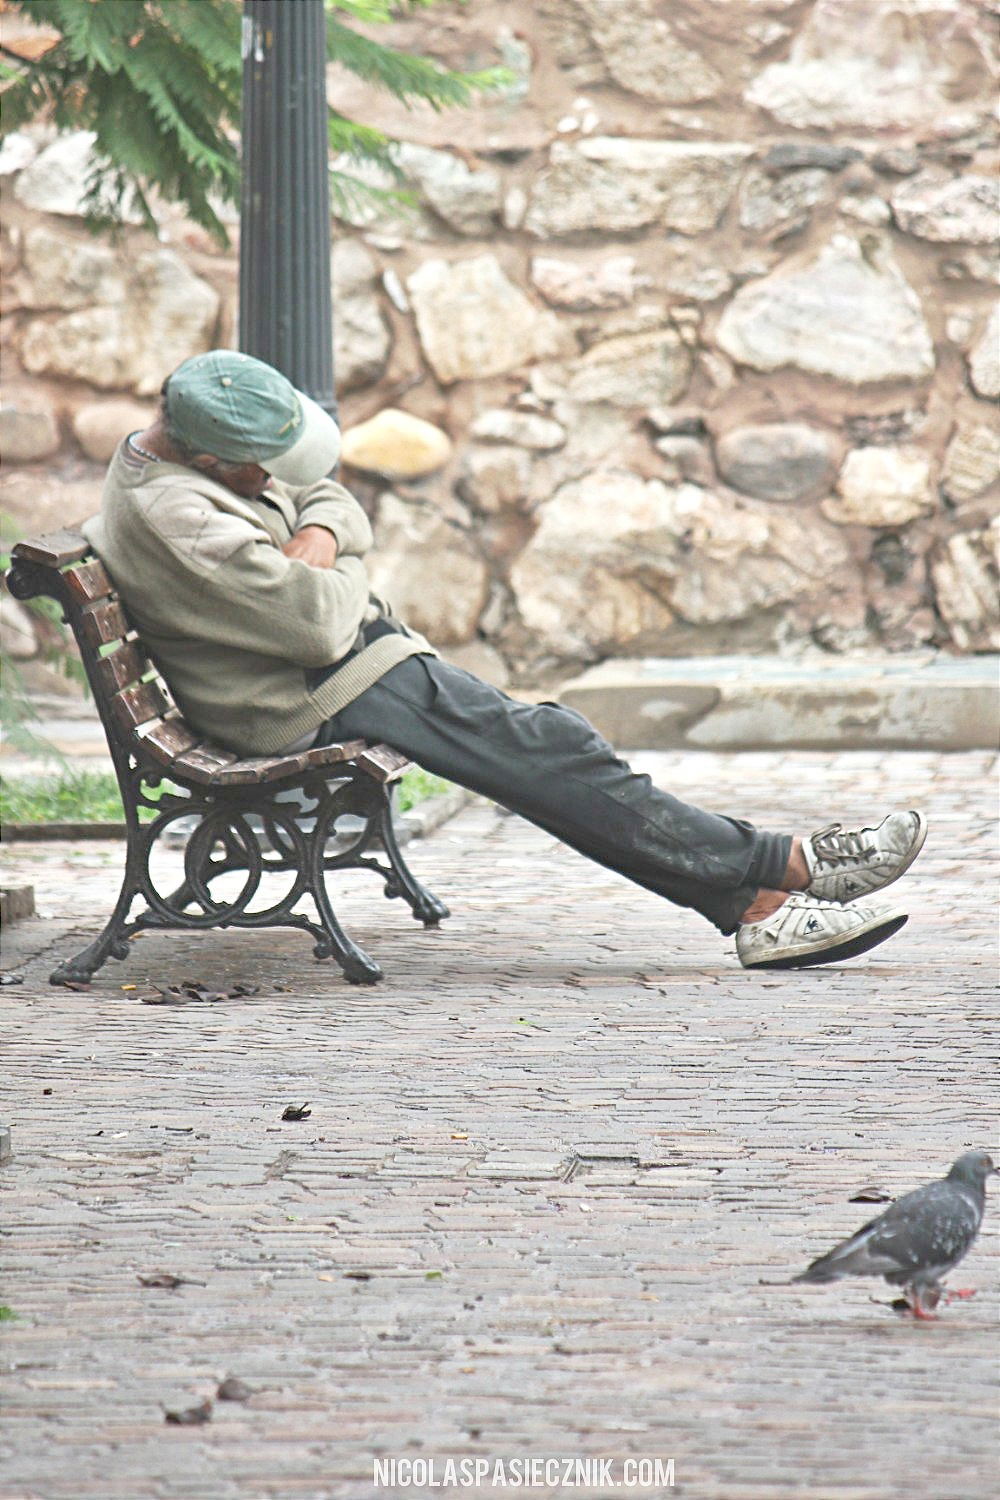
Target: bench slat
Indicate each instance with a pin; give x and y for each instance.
(201, 764)
(258, 770)
(331, 755)
(137, 705)
(89, 581)
(121, 667)
(382, 762)
(103, 623)
(54, 550)
(168, 740)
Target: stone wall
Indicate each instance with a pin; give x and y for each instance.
(690, 346)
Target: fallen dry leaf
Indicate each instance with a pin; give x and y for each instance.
(191, 991)
(191, 1416)
(296, 1112)
(233, 1389)
(168, 1279)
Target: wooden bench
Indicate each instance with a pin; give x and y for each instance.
(243, 827)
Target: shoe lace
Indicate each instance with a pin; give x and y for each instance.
(832, 846)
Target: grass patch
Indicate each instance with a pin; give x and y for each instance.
(7, 1314)
(418, 786)
(69, 797)
(92, 797)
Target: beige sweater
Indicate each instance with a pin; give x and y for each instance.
(232, 622)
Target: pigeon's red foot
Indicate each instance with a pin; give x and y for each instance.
(919, 1311)
(960, 1294)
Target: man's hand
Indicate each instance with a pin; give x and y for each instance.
(313, 545)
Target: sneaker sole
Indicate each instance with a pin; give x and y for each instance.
(848, 947)
(918, 844)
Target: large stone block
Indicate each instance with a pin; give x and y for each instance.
(100, 425)
(426, 564)
(574, 584)
(524, 429)
(56, 180)
(849, 314)
(984, 359)
(881, 65)
(467, 199)
(28, 428)
(777, 460)
(616, 558)
(949, 209)
(730, 558)
(966, 575)
(396, 444)
(64, 272)
(972, 461)
(495, 478)
(643, 53)
(882, 487)
(362, 339)
(773, 207)
(585, 285)
(474, 322)
(165, 314)
(614, 184)
(634, 370)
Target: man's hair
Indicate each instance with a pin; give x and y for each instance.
(185, 453)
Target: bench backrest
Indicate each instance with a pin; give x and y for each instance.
(139, 716)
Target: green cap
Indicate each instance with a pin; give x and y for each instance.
(243, 411)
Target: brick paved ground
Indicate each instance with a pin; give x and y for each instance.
(566, 1143)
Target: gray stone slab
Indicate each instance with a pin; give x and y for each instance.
(16, 903)
(922, 702)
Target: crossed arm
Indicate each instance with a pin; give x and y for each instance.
(314, 545)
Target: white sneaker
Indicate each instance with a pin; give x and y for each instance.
(843, 866)
(804, 931)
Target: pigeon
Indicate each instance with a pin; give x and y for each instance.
(918, 1240)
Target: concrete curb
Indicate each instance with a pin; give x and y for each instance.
(432, 814)
(812, 703)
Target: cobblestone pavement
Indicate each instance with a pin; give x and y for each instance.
(558, 1166)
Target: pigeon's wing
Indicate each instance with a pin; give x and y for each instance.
(864, 1254)
(931, 1228)
(928, 1229)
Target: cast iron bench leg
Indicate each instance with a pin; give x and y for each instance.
(357, 966)
(111, 943)
(424, 905)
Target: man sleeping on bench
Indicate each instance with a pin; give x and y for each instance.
(243, 567)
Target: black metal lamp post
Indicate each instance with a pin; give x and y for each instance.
(286, 314)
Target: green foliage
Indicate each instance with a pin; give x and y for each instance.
(72, 796)
(159, 82)
(416, 786)
(7, 1314)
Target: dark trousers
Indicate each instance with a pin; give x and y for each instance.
(550, 765)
